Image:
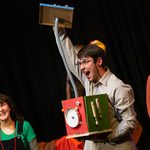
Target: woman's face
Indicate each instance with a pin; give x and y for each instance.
(4, 111)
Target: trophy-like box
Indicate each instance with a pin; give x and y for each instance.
(87, 116)
(48, 13)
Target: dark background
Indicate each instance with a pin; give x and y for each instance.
(32, 71)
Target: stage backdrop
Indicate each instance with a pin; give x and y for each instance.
(32, 71)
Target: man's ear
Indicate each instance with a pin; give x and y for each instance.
(99, 61)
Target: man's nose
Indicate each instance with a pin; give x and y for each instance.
(82, 66)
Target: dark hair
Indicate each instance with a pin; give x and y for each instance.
(13, 113)
(91, 50)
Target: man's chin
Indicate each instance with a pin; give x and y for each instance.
(90, 80)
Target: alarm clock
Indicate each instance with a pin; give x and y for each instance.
(72, 117)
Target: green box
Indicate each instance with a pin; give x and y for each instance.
(97, 112)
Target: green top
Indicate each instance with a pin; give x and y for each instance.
(27, 134)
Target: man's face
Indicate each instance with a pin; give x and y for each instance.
(89, 68)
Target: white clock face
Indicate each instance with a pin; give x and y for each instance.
(72, 118)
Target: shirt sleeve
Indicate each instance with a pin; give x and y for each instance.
(70, 53)
(28, 131)
(124, 108)
(33, 144)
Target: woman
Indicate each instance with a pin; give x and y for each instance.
(15, 133)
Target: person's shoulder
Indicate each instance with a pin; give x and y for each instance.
(26, 123)
(27, 126)
(116, 83)
(114, 78)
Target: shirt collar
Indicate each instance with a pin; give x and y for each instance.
(103, 80)
(105, 77)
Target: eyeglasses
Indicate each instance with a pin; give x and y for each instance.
(84, 62)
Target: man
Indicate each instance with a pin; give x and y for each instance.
(88, 66)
